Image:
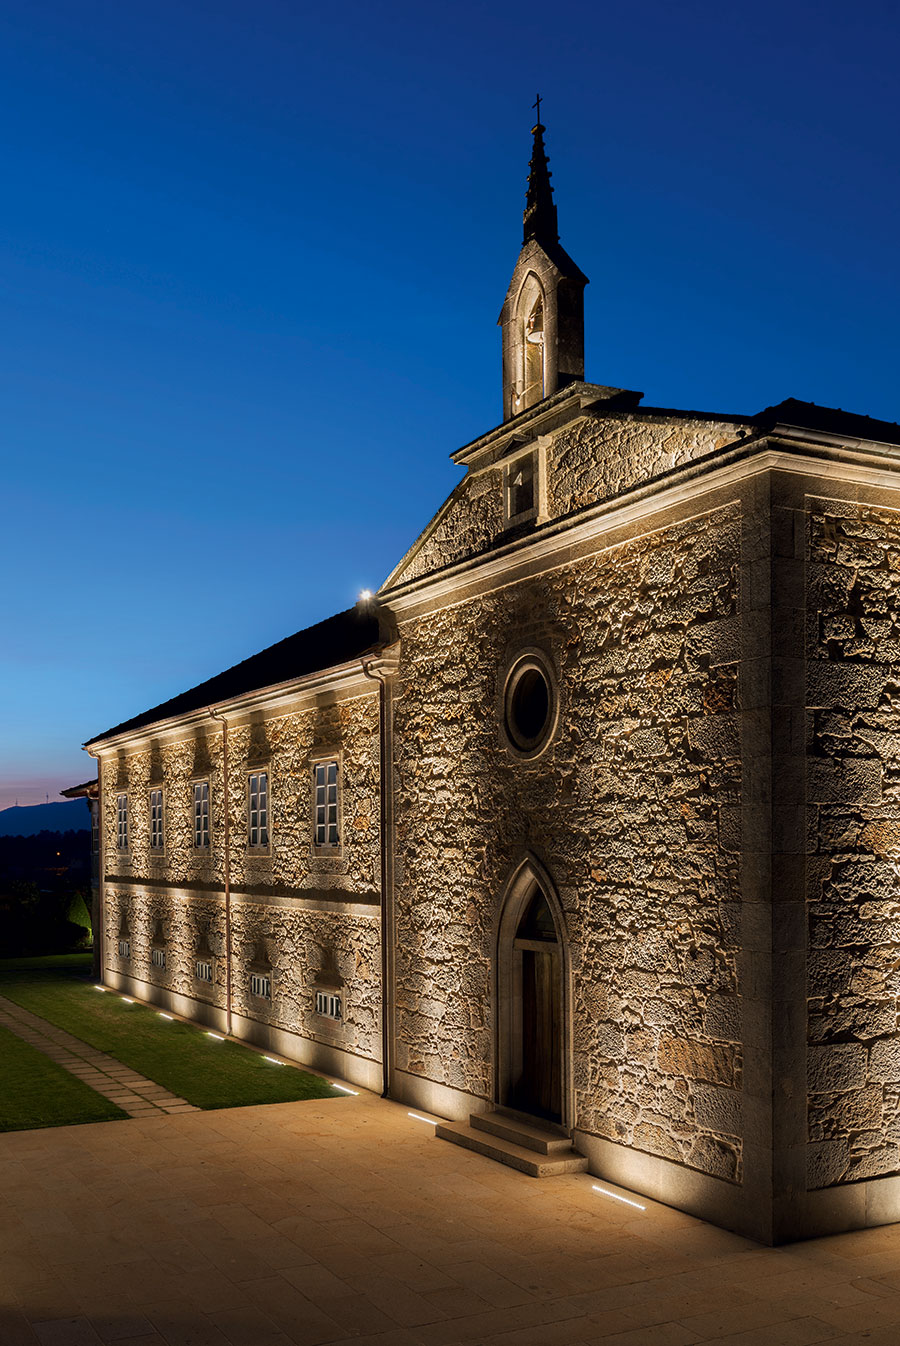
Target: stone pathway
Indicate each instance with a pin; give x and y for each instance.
(133, 1093)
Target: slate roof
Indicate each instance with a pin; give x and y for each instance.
(335, 641)
(830, 420)
(82, 791)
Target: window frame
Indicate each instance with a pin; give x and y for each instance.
(122, 820)
(259, 847)
(261, 979)
(206, 963)
(510, 468)
(524, 749)
(322, 761)
(202, 847)
(326, 1002)
(158, 957)
(157, 821)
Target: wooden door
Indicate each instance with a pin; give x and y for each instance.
(538, 1089)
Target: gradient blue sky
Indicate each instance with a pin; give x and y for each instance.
(252, 257)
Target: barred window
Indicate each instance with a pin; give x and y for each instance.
(261, 986)
(328, 1005)
(326, 804)
(258, 832)
(158, 957)
(124, 948)
(122, 822)
(201, 814)
(156, 820)
(203, 970)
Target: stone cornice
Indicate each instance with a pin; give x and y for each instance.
(546, 415)
(345, 678)
(552, 544)
(250, 892)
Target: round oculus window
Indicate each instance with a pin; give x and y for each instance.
(528, 705)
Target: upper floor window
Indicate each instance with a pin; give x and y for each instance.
(156, 820)
(122, 822)
(325, 829)
(258, 814)
(201, 814)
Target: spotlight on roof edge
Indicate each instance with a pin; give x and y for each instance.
(365, 595)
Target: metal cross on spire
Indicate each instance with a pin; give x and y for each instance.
(540, 211)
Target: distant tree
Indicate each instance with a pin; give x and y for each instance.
(79, 914)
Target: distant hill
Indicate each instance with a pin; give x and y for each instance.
(67, 815)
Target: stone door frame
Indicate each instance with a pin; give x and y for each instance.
(518, 892)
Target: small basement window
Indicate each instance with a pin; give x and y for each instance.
(158, 957)
(261, 986)
(203, 970)
(124, 948)
(328, 1005)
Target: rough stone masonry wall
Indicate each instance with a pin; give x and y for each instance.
(634, 811)
(279, 925)
(853, 862)
(588, 462)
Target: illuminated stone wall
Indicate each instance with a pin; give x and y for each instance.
(586, 463)
(853, 796)
(600, 457)
(306, 920)
(634, 811)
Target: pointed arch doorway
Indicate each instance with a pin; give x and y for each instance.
(531, 967)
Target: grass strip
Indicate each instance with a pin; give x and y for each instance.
(80, 962)
(36, 1092)
(179, 1056)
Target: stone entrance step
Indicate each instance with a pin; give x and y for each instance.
(541, 1152)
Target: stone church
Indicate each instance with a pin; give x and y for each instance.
(583, 833)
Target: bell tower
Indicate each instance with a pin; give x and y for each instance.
(542, 320)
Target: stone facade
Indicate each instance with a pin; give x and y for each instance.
(633, 810)
(586, 463)
(619, 784)
(853, 785)
(305, 919)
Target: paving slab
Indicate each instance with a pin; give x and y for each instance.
(345, 1220)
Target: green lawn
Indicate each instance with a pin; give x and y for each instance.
(181, 1057)
(35, 1092)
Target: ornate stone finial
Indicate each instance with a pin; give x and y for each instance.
(540, 210)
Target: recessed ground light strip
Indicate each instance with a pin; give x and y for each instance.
(218, 1037)
(128, 1000)
(99, 988)
(344, 1090)
(272, 1059)
(162, 1014)
(624, 1199)
(416, 1117)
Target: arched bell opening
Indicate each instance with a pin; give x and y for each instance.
(533, 353)
(529, 339)
(532, 991)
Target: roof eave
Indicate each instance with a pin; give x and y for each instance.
(331, 679)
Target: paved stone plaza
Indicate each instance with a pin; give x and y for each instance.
(346, 1220)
